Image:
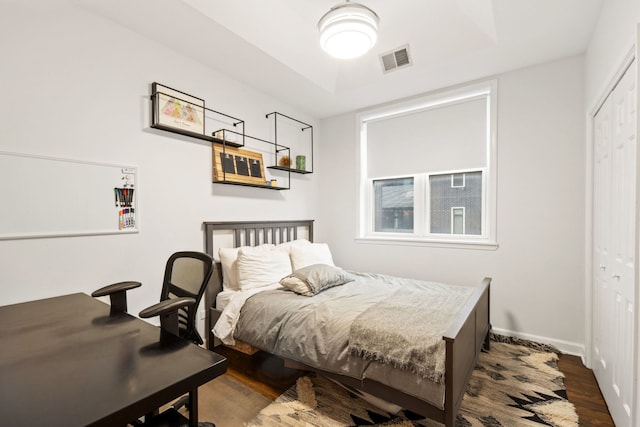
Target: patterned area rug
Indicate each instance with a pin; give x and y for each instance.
(512, 385)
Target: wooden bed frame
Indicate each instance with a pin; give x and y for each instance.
(465, 338)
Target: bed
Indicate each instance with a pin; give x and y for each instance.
(409, 386)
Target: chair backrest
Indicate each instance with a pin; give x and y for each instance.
(187, 275)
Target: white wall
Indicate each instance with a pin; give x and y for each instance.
(75, 85)
(613, 38)
(538, 269)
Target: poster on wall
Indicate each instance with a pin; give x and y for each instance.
(176, 111)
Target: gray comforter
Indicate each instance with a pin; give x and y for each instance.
(334, 329)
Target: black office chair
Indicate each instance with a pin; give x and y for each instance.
(186, 277)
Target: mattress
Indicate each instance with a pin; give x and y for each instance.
(275, 321)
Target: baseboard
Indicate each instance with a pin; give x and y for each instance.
(566, 347)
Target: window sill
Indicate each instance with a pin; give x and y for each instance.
(414, 241)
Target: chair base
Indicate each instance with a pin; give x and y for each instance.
(172, 418)
(168, 418)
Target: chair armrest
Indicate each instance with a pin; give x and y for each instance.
(167, 306)
(118, 294)
(116, 287)
(168, 312)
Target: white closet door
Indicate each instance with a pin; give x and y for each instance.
(602, 310)
(614, 247)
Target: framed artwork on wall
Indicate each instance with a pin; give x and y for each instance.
(176, 111)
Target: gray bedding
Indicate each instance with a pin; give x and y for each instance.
(316, 331)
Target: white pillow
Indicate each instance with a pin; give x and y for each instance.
(315, 253)
(258, 268)
(286, 246)
(228, 260)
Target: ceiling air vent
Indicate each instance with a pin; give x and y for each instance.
(398, 58)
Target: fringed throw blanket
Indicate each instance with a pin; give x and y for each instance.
(406, 330)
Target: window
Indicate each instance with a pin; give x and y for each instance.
(457, 220)
(457, 180)
(393, 205)
(456, 209)
(427, 169)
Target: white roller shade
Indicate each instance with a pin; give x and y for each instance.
(447, 137)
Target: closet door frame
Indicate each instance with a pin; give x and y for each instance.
(589, 234)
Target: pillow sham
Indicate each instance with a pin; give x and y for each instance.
(258, 268)
(313, 279)
(228, 257)
(228, 260)
(314, 253)
(286, 246)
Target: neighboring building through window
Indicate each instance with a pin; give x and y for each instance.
(393, 205)
(456, 209)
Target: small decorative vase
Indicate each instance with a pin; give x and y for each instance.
(301, 163)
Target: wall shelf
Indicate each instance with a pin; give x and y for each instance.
(233, 162)
(185, 105)
(308, 151)
(241, 166)
(292, 170)
(244, 184)
(228, 137)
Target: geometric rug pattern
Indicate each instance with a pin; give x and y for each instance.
(513, 384)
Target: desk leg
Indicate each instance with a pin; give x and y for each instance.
(192, 406)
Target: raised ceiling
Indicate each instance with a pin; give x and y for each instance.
(273, 45)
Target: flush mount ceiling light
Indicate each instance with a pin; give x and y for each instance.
(348, 30)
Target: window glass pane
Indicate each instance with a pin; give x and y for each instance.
(457, 220)
(444, 197)
(393, 205)
(457, 180)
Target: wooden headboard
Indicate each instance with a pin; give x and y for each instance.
(243, 233)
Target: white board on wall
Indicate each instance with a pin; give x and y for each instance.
(54, 197)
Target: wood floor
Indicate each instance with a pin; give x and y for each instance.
(583, 392)
(251, 384)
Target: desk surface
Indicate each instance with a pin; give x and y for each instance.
(64, 361)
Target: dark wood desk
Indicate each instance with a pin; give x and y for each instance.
(65, 361)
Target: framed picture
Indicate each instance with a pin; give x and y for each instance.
(176, 111)
(232, 164)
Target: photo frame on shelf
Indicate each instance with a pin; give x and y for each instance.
(248, 165)
(177, 111)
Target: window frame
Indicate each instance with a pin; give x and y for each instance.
(421, 235)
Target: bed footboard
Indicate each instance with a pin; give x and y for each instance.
(465, 338)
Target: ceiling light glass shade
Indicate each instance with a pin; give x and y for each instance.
(348, 30)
